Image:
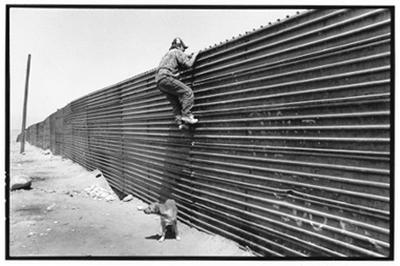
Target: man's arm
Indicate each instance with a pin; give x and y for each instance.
(187, 61)
(193, 59)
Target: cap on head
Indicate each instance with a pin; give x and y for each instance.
(178, 43)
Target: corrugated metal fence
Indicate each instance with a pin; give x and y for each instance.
(292, 153)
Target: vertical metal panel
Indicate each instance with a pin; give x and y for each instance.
(67, 144)
(40, 134)
(296, 135)
(58, 131)
(52, 128)
(80, 143)
(46, 133)
(291, 156)
(104, 133)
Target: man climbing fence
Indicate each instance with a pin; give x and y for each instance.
(167, 78)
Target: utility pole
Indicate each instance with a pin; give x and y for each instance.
(28, 66)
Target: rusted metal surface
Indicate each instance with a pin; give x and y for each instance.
(292, 153)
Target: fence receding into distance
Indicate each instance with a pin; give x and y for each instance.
(291, 156)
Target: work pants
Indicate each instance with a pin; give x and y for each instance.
(178, 94)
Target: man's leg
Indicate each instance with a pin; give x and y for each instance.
(163, 231)
(186, 99)
(175, 227)
(184, 93)
(176, 107)
(174, 101)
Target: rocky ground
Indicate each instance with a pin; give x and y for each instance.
(70, 212)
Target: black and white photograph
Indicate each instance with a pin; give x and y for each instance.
(218, 132)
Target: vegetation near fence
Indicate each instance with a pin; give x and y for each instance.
(291, 156)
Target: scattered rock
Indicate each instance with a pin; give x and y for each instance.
(72, 193)
(21, 182)
(110, 198)
(99, 193)
(31, 234)
(103, 195)
(31, 224)
(48, 229)
(97, 173)
(127, 198)
(56, 222)
(51, 207)
(47, 152)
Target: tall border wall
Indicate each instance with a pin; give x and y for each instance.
(292, 153)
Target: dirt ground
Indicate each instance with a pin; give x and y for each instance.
(58, 218)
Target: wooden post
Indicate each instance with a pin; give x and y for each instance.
(25, 105)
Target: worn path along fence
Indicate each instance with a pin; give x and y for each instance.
(292, 153)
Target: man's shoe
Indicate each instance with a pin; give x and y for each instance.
(178, 119)
(189, 119)
(183, 126)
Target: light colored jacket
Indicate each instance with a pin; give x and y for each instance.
(172, 62)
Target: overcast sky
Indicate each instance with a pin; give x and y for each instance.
(77, 51)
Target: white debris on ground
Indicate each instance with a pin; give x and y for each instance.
(128, 198)
(101, 190)
(47, 152)
(99, 193)
(51, 207)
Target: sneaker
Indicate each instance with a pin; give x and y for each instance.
(189, 119)
(178, 119)
(183, 126)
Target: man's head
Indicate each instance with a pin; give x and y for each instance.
(178, 44)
